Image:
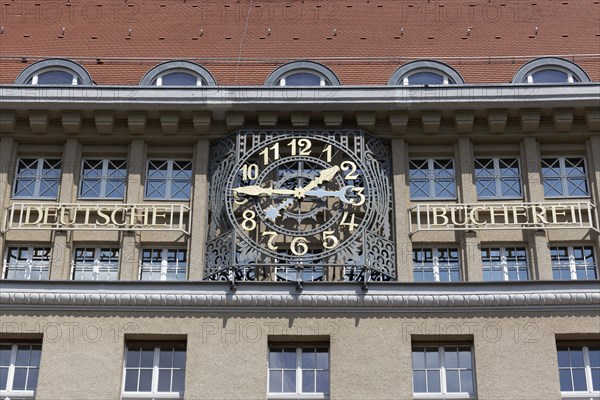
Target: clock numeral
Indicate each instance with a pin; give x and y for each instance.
(250, 172)
(303, 144)
(239, 200)
(350, 224)
(265, 153)
(351, 167)
(328, 152)
(249, 223)
(270, 243)
(298, 246)
(361, 197)
(328, 237)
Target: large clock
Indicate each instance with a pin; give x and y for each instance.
(306, 202)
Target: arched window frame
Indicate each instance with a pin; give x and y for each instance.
(33, 71)
(327, 76)
(575, 73)
(156, 73)
(402, 75)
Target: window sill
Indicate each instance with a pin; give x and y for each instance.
(148, 395)
(443, 396)
(294, 396)
(580, 395)
(17, 394)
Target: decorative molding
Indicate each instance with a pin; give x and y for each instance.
(71, 122)
(592, 119)
(267, 119)
(333, 119)
(105, 122)
(234, 120)
(530, 120)
(136, 120)
(169, 122)
(497, 120)
(8, 121)
(202, 121)
(300, 119)
(463, 121)
(338, 297)
(562, 119)
(398, 122)
(431, 121)
(38, 121)
(366, 120)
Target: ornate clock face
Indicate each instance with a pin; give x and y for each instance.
(318, 203)
(299, 197)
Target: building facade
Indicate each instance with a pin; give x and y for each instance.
(338, 212)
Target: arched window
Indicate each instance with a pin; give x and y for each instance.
(550, 70)
(55, 71)
(425, 72)
(302, 73)
(178, 73)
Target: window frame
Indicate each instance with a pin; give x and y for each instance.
(96, 265)
(21, 394)
(328, 77)
(564, 178)
(435, 263)
(578, 394)
(164, 264)
(572, 263)
(104, 178)
(298, 394)
(154, 393)
(168, 179)
(431, 178)
(38, 178)
(504, 264)
(401, 77)
(29, 263)
(444, 394)
(322, 79)
(524, 74)
(497, 178)
(81, 76)
(203, 76)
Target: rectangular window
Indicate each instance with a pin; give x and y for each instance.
(573, 262)
(564, 177)
(436, 265)
(37, 178)
(439, 371)
(579, 370)
(164, 265)
(497, 178)
(155, 371)
(19, 369)
(32, 263)
(298, 372)
(103, 179)
(504, 264)
(169, 180)
(96, 264)
(432, 179)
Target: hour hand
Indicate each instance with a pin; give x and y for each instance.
(255, 190)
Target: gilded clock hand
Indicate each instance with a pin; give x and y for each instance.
(340, 194)
(324, 176)
(256, 190)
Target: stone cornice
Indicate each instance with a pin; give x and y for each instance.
(254, 297)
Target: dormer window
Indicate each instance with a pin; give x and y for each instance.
(58, 72)
(178, 73)
(302, 73)
(425, 73)
(550, 70)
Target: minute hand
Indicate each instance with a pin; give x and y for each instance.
(324, 176)
(256, 190)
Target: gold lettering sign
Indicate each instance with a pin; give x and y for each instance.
(503, 216)
(101, 216)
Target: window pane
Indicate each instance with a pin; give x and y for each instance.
(418, 358)
(466, 381)
(275, 382)
(145, 380)
(308, 381)
(579, 379)
(431, 358)
(178, 381)
(19, 379)
(23, 353)
(550, 76)
(55, 78)
(32, 379)
(322, 381)
(147, 358)
(452, 381)
(302, 79)
(451, 359)
(179, 79)
(289, 359)
(594, 357)
(308, 359)
(166, 358)
(289, 381)
(577, 357)
(275, 359)
(3, 377)
(164, 380)
(433, 381)
(565, 380)
(5, 355)
(322, 359)
(131, 378)
(179, 357)
(425, 78)
(419, 383)
(133, 358)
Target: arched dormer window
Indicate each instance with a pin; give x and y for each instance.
(550, 70)
(302, 73)
(426, 72)
(178, 73)
(54, 71)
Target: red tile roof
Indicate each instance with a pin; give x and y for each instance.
(362, 41)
